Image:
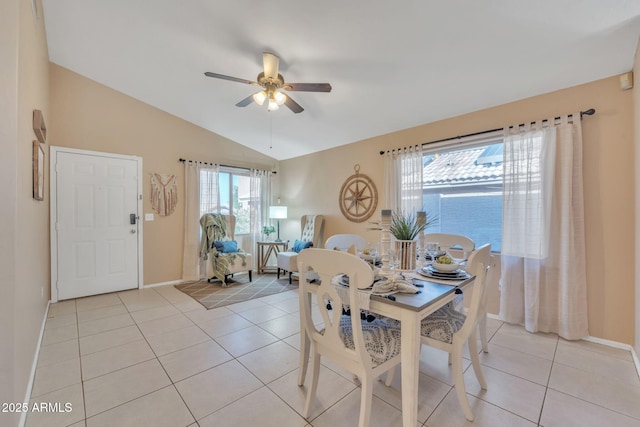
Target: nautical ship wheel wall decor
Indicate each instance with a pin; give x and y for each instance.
(358, 197)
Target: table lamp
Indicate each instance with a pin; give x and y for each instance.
(278, 212)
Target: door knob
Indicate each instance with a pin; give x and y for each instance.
(133, 231)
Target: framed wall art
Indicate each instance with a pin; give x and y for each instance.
(38, 171)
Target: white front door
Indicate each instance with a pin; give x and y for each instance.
(96, 223)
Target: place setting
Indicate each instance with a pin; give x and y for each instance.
(442, 266)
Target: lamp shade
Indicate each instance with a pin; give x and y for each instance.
(277, 212)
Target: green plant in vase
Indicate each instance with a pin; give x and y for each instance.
(268, 229)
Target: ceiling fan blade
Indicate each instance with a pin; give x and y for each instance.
(308, 87)
(293, 105)
(233, 79)
(271, 64)
(248, 100)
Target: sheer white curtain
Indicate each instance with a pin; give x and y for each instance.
(260, 195)
(403, 179)
(543, 284)
(201, 196)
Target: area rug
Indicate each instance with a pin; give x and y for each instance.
(213, 295)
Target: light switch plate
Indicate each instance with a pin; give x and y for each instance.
(148, 217)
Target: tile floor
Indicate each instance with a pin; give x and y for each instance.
(157, 358)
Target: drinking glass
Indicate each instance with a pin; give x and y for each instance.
(432, 249)
(373, 251)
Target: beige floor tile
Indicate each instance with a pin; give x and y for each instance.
(245, 340)
(193, 360)
(105, 340)
(562, 410)
(61, 320)
(97, 301)
(593, 387)
(225, 325)
(260, 408)
(331, 388)
(531, 368)
(282, 327)
(56, 376)
(449, 414)
(612, 367)
(599, 348)
(62, 307)
(154, 313)
(211, 390)
(262, 314)
(190, 305)
(430, 393)
(177, 340)
(59, 334)
(141, 299)
(101, 313)
(509, 392)
(516, 338)
(159, 409)
(271, 362)
(203, 316)
(97, 326)
(58, 352)
(69, 399)
(114, 358)
(164, 325)
(346, 412)
(113, 389)
(435, 363)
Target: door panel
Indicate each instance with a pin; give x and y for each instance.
(97, 247)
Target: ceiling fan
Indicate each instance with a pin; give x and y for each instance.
(271, 83)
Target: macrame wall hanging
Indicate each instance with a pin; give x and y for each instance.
(164, 193)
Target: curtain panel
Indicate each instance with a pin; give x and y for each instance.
(543, 284)
(403, 179)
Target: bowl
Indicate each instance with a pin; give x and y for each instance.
(445, 268)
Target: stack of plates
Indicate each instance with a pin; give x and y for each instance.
(429, 271)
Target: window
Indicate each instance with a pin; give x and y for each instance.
(463, 188)
(228, 193)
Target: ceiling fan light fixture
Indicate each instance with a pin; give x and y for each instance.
(280, 98)
(273, 105)
(260, 97)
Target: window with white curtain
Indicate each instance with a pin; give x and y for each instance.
(462, 186)
(228, 193)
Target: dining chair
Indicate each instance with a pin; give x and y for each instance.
(345, 241)
(366, 349)
(449, 241)
(448, 330)
(481, 256)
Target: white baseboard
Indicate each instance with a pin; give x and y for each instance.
(34, 365)
(172, 282)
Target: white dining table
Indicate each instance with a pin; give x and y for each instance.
(409, 309)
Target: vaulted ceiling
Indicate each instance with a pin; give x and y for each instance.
(392, 65)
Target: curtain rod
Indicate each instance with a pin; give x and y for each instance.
(589, 112)
(212, 164)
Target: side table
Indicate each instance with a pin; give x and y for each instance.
(265, 250)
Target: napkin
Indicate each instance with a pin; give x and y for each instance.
(393, 285)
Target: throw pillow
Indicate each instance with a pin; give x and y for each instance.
(299, 245)
(226, 246)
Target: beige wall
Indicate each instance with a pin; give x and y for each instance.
(311, 184)
(90, 116)
(636, 123)
(24, 228)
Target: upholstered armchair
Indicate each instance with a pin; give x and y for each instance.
(219, 244)
(311, 236)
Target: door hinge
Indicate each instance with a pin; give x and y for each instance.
(140, 197)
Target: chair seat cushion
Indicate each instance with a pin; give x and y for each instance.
(442, 323)
(381, 339)
(288, 261)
